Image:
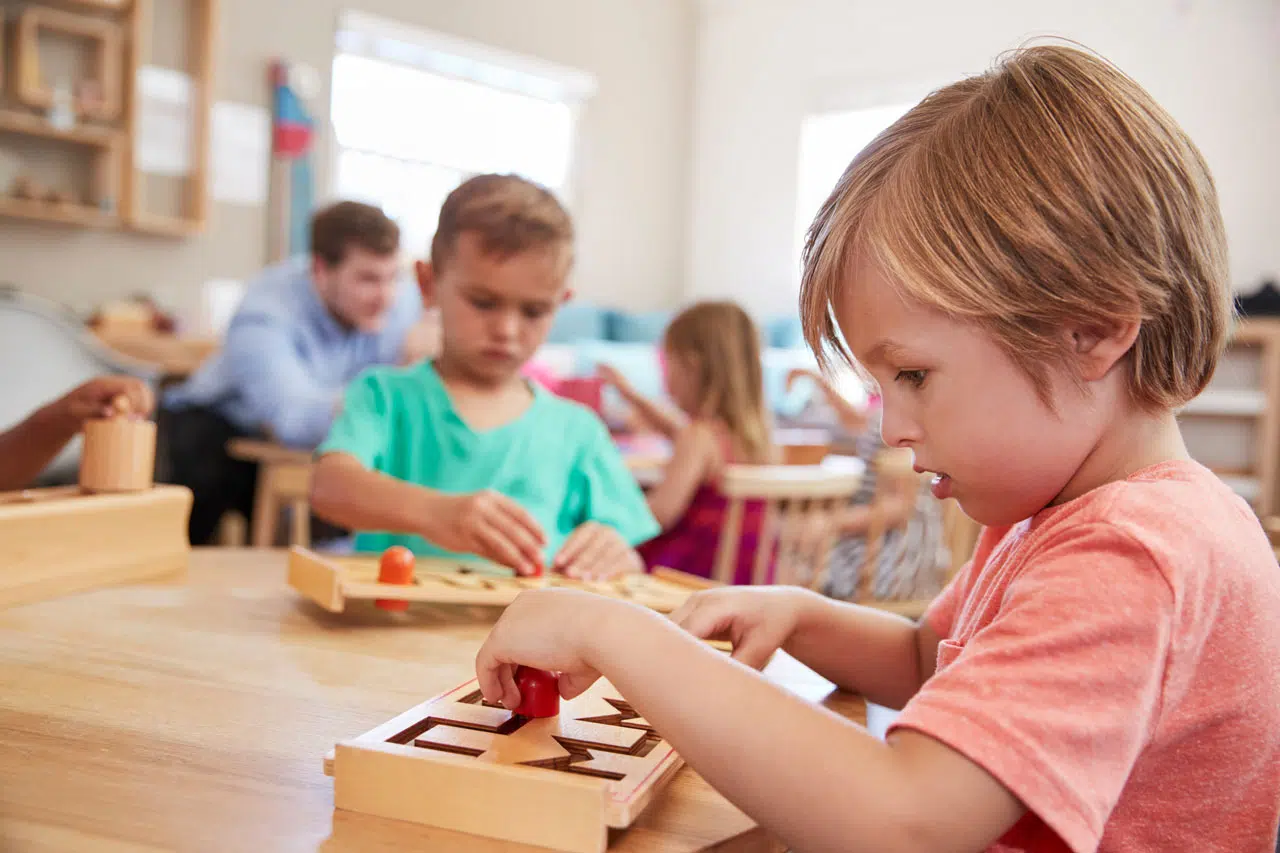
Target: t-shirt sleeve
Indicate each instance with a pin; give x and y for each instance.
(608, 491)
(363, 427)
(1058, 694)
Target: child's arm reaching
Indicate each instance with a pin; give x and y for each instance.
(814, 779)
(29, 446)
(852, 418)
(691, 459)
(894, 656)
(660, 418)
(485, 523)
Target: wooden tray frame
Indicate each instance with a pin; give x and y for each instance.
(57, 541)
(383, 773)
(332, 581)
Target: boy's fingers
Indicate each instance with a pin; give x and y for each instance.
(520, 516)
(574, 684)
(523, 541)
(606, 558)
(572, 545)
(587, 558)
(498, 547)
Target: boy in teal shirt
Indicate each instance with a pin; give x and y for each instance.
(461, 455)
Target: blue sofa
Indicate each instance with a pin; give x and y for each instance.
(585, 335)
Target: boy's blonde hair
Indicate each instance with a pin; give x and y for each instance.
(720, 346)
(509, 213)
(1051, 190)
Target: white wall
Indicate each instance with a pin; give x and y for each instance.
(763, 64)
(633, 170)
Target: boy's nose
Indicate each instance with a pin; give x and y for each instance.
(506, 325)
(896, 428)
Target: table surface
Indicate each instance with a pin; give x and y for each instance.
(194, 715)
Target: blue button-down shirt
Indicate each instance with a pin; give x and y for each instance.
(286, 360)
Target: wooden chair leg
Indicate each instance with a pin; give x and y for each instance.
(300, 523)
(266, 509)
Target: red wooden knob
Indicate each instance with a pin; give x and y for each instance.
(539, 692)
(395, 566)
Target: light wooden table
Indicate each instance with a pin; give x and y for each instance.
(195, 716)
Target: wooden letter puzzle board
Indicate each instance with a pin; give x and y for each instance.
(330, 582)
(459, 763)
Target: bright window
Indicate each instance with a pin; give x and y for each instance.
(828, 143)
(416, 113)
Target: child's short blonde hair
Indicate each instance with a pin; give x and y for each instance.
(509, 213)
(1050, 190)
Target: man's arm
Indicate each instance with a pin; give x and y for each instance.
(281, 393)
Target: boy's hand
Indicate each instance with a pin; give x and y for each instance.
(491, 525)
(596, 551)
(104, 397)
(756, 620)
(548, 629)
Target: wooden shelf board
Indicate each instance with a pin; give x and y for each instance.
(30, 124)
(1249, 488)
(103, 5)
(164, 226)
(1235, 403)
(62, 214)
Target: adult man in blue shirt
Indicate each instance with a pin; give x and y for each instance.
(305, 328)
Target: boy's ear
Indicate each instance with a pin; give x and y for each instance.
(1097, 348)
(567, 295)
(426, 275)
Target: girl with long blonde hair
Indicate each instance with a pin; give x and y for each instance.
(714, 375)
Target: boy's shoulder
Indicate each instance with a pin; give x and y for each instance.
(578, 422)
(1194, 529)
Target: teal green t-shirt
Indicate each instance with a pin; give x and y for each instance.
(556, 459)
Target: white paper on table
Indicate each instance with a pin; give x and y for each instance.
(240, 157)
(163, 142)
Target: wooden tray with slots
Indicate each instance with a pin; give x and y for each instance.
(458, 763)
(332, 581)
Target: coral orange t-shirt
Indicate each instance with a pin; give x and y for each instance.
(1115, 663)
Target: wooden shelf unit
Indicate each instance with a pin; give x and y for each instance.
(1243, 398)
(122, 48)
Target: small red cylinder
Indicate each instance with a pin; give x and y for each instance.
(395, 566)
(539, 692)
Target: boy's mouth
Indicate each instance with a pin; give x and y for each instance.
(941, 485)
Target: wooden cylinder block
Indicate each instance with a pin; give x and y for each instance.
(119, 455)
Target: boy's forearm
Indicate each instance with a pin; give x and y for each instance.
(818, 781)
(29, 446)
(345, 493)
(859, 648)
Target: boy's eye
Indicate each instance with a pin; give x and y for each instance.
(914, 378)
(534, 312)
(483, 304)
